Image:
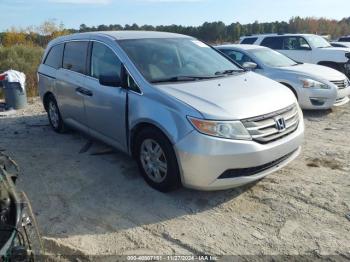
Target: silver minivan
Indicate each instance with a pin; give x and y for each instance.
(186, 113)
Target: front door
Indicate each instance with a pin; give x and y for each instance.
(297, 48)
(106, 107)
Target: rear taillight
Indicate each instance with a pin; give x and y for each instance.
(2, 77)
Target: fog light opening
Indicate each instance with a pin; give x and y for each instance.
(318, 101)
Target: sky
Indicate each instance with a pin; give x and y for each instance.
(72, 13)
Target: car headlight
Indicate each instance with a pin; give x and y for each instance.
(309, 83)
(223, 129)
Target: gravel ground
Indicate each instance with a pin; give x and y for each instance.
(95, 203)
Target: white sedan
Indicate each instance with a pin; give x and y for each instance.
(315, 86)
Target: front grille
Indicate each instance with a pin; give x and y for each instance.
(232, 173)
(341, 84)
(264, 129)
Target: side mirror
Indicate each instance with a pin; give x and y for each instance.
(305, 48)
(108, 80)
(250, 65)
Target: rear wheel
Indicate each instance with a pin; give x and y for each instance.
(157, 161)
(54, 115)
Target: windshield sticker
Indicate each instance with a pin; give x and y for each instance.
(199, 43)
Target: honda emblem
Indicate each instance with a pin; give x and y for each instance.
(280, 124)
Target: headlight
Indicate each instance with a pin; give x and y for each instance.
(309, 83)
(223, 129)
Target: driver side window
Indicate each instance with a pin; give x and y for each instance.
(104, 61)
(295, 43)
(238, 57)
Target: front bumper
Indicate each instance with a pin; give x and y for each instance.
(347, 69)
(322, 98)
(203, 159)
(342, 97)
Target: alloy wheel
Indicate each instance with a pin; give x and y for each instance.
(153, 160)
(53, 114)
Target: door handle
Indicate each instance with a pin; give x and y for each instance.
(84, 91)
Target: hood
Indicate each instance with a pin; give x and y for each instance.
(336, 54)
(316, 71)
(233, 97)
(332, 48)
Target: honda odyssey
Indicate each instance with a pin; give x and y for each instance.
(189, 115)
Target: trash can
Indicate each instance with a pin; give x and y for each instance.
(15, 95)
(13, 86)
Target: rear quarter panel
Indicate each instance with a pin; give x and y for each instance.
(46, 80)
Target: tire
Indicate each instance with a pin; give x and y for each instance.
(54, 115)
(156, 160)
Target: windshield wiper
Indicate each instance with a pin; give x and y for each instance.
(228, 72)
(181, 79)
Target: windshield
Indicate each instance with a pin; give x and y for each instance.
(318, 41)
(176, 59)
(272, 58)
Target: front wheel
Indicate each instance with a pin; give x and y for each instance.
(157, 160)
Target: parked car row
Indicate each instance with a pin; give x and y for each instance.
(344, 39)
(315, 86)
(340, 44)
(186, 112)
(305, 48)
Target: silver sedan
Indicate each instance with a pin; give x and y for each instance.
(315, 86)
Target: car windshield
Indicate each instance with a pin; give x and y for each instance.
(318, 41)
(272, 58)
(176, 59)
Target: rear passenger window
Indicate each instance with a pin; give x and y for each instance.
(75, 56)
(104, 61)
(249, 40)
(273, 42)
(54, 57)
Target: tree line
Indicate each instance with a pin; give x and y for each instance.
(220, 32)
(212, 32)
(215, 32)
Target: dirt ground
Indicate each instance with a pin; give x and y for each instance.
(92, 201)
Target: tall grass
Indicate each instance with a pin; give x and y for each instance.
(25, 59)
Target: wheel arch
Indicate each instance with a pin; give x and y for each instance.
(135, 130)
(291, 88)
(325, 62)
(331, 64)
